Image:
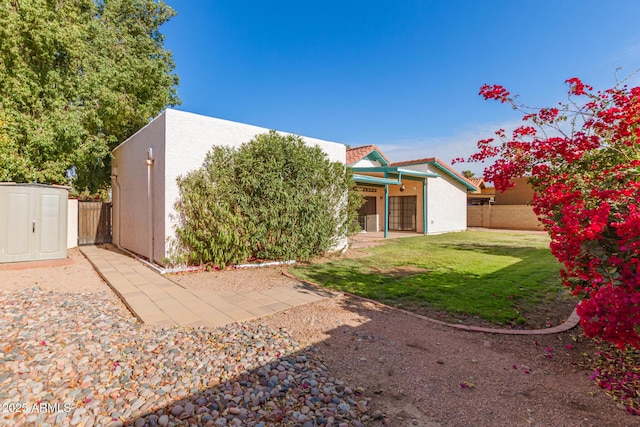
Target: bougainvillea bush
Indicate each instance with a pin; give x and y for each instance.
(582, 158)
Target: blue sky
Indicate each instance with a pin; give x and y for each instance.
(403, 75)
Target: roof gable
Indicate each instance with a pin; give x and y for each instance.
(478, 182)
(370, 152)
(443, 166)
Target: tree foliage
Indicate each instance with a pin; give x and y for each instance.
(583, 161)
(77, 78)
(273, 198)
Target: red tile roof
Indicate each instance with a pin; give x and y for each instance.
(415, 162)
(358, 153)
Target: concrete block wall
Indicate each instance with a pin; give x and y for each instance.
(475, 216)
(514, 217)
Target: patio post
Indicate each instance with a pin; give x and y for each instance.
(424, 206)
(386, 209)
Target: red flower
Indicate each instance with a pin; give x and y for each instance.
(496, 92)
(577, 87)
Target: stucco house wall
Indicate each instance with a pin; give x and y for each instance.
(446, 201)
(131, 216)
(180, 141)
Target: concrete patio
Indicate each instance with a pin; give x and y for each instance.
(156, 300)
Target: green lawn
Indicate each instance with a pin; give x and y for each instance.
(487, 274)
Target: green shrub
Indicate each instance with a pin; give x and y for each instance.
(274, 198)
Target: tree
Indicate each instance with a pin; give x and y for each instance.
(273, 198)
(468, 174)
(76, 79)
(583, 160)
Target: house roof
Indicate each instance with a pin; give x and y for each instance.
(443, 166)
(358, 153)
(478, 182)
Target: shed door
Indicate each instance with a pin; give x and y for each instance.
(19, 244)
(33, 222)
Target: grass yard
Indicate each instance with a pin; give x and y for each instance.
(503, 278)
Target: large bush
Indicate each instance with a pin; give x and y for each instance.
(273, 198)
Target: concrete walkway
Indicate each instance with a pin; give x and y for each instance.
(156, 300)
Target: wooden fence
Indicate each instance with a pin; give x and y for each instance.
(94, 223)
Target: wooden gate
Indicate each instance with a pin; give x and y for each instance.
(94, 223)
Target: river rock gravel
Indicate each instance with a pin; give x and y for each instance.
(84, 360)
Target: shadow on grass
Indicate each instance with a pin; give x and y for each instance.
(500, 295)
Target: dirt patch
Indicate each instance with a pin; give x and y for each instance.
(74, 274)
(421, 374)
(239, 280)
(539, 315)
(551, 311)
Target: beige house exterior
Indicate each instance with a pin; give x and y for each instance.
(520, 194)
(424, 196)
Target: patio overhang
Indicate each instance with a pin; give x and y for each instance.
(393, 175)
(398, 172)
(375, 180)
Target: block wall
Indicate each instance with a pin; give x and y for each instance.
(514, 217)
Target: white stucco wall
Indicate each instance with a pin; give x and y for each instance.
(366, 163)
(180, 141)
(446, 201)
(131, 227)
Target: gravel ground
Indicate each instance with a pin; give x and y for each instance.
(79, 358)
(71, 354)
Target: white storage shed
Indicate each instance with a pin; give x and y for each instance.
(33, 222)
